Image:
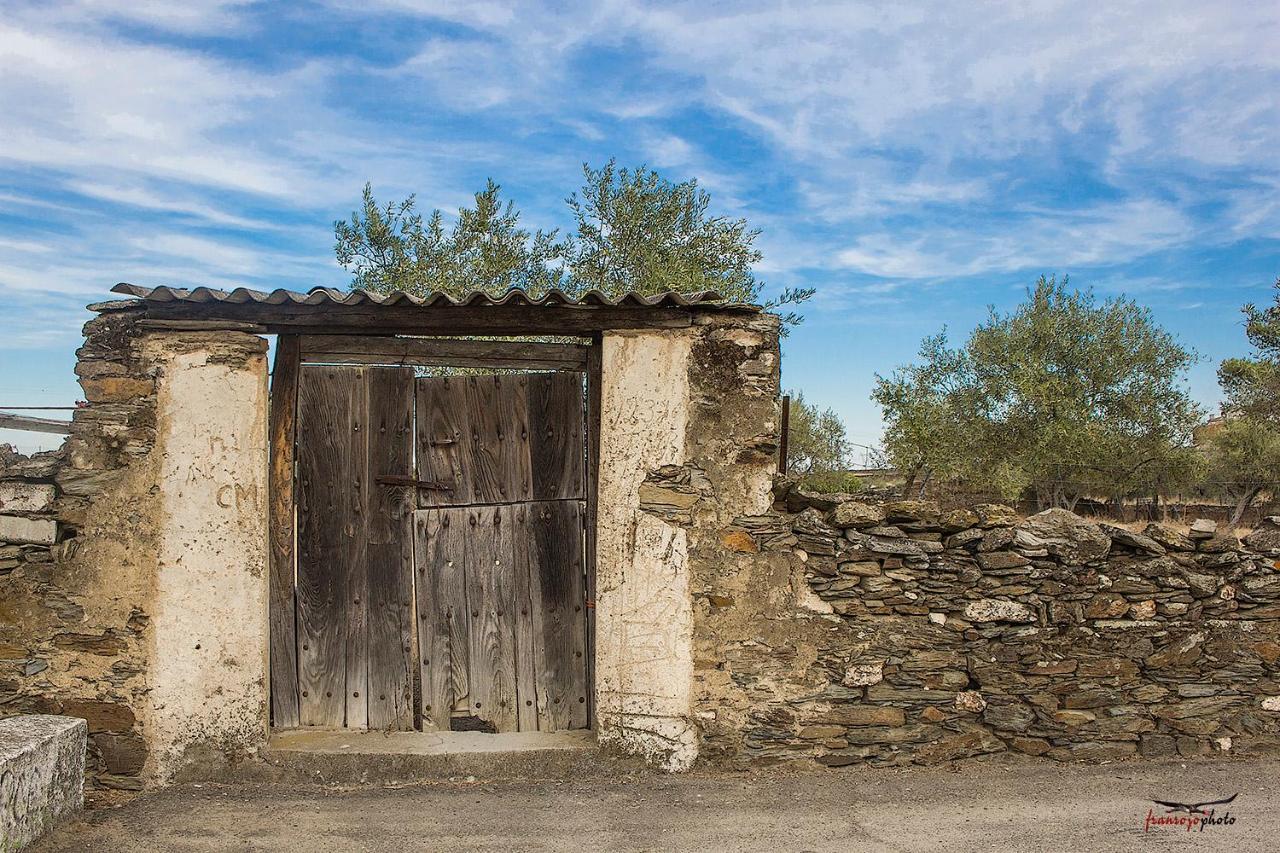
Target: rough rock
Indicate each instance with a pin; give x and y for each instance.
(41, 775)
(1070, 538)
(856, 514)
(1265, 537)
(912, 511)
(1168, 536)
(864, 674)
(996, 515)
(1203, 528)
(1128, 538)
(996, 610)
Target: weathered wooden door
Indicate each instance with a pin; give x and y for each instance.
(440, 519)
(500, 552)
(355, 573)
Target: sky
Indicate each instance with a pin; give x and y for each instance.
(915, 162)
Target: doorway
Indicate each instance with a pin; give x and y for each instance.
(442, 573)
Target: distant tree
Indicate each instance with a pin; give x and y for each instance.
(1243, 453)
(1063, 396)
(816, 442)
(632, 231)
(1252, 385)
(925, 422)
(1243, 462)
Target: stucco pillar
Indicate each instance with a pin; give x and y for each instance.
(644, 618)
(207, 646)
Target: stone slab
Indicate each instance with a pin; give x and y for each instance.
(347, 756)
(41, 775)
(25, 497)
(29, 531)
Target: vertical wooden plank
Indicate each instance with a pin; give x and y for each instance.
(327, 398)
(491, 596)
(483, 457)
(556, 443)
(389, 554)
(356, 607)
(557, 553)
(440, 539)
(595, 373)
(513, 432)
(281, 521)
(443, 440)
(528, 617)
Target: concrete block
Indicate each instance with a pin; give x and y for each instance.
(25, 497)
(30, 531)
(41, 775)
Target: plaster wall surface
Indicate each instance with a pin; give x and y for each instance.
(644, 617)
(209, 627)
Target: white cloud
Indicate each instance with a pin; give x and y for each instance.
(1044, 240)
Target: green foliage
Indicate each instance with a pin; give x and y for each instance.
(1063, 396)
(1242, 457)
(816, 442)
(388, 248)
(1242, 461)
(1252, 385)
(632, 231)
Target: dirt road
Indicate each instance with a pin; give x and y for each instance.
(1000, 805)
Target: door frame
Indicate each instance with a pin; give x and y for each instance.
(292, 352)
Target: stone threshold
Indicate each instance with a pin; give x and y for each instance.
(351, 742)
(389, 758)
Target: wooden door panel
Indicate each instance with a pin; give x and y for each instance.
(443, 441)
(390, 549)
(556, 574)
(491, 597)
(557, 450)
(443, 619)
(329, 494)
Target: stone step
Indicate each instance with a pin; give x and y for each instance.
(350, 757)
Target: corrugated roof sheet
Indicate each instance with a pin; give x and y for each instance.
(319, 296)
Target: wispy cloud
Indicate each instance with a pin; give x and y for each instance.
(888, 151)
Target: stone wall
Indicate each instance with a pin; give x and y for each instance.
(132, 560)
(72, 620)
(850, 632)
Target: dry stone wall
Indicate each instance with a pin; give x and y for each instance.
(851, 632)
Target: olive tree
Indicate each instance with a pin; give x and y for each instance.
(1062, 397)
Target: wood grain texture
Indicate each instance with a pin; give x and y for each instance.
(528, 618)
(491, 596)
(556, 553)
(485, 456)
(513, 437)
(443, 618)
(443, 437)
(447, 352)
(328, 497)
(557, 453)
(390, 549)
(282, 525)
(356, 607)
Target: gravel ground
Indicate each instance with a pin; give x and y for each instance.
(993, 805)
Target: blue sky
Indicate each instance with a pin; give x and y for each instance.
(913, 161)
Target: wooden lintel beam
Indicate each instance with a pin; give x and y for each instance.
(8, 420)
(358, 349)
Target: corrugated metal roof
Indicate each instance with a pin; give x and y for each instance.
(322, 296)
